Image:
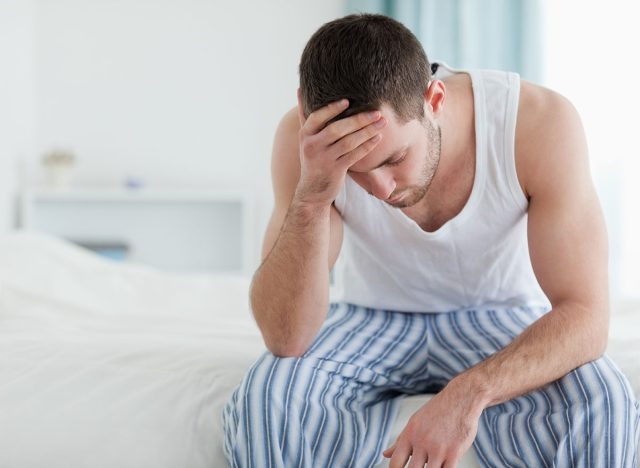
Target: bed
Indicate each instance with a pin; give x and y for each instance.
(106, 364)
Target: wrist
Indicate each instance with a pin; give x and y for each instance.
(304, 214)
(310, 202)
(472, 391)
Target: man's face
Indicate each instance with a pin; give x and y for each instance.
(401, 167)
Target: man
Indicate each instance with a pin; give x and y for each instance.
(476, 267)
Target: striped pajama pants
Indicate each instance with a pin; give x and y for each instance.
(334, 406)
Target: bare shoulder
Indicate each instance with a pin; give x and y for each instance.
(285, 159)
(549, 136)
(289, 123)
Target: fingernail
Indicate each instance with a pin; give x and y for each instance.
(373, 115)
(380, 123)
(343, 103)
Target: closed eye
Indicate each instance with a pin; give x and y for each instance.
(397, 161)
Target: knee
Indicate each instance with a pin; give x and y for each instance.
(599, 391)
(260, 387)
(254, 413)
(602, 379)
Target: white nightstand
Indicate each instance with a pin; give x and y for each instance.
(174, 229)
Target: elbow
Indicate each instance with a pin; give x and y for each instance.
(286, 350)
(591, 323)
(279, 339)
(597, 343)
(284, 334)
(601, 348)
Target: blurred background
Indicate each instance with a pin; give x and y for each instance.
(142, 129)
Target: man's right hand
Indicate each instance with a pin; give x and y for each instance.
(327, 151)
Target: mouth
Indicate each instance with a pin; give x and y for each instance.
(395, 200)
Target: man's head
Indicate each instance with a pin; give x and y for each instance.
(371, 60)
(378, 64)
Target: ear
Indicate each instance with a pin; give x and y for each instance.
(301, 118)
(434, 96)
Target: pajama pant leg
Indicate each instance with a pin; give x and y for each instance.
(333, 406)
(588, 418)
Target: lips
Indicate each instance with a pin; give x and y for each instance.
(396, 199)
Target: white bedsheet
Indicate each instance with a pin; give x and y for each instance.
(117, 365)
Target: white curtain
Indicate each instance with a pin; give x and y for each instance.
(500, 34)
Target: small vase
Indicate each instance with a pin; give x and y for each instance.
(59, 177)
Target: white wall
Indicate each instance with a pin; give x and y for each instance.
(17, 100)
(591, 57)
(178, 92)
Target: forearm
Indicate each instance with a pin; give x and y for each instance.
(561, 340)
(290, 291)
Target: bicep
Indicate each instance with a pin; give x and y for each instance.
(568, 244)
(566, 229)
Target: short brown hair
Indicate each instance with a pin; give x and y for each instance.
(369, 59)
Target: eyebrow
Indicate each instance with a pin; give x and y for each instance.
(386, 161)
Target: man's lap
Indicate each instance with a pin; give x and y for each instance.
(364, 358)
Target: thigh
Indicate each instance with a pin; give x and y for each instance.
(589, 417)
(460, 339)
(294, 412)
(381, 348)
(334, 405)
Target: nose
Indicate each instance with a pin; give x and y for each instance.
(381, 185)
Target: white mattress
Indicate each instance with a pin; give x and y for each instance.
(117, 365)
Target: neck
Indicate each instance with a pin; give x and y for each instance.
(457, 125)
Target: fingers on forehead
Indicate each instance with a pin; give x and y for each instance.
(322, 116)
(357, 121)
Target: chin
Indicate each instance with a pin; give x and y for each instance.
(402, 204)
(410, 199)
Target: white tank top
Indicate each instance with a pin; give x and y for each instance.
(478, 258)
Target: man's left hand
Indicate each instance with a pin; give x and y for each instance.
(439, 433)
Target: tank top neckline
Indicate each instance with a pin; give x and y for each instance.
(480, 167)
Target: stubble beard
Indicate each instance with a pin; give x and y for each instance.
(417, 192)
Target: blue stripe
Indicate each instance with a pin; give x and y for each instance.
(412, 374)
(626, 413)
(498, 346)
(349, 403)
(411, 378)
(246, 405)
(545, 395)
(452, 350)
(285, 414)
(323, 336)
(338, 394)
(514, 333)
(500, 409)
(536, 442)
(381, 354)
(327, 387)
(385, 422)
(391, 347)
(438, 335)
(496, 432)
(587, 397)
(493, 318)
(610, 409)
(267, 407)
(572, 453)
